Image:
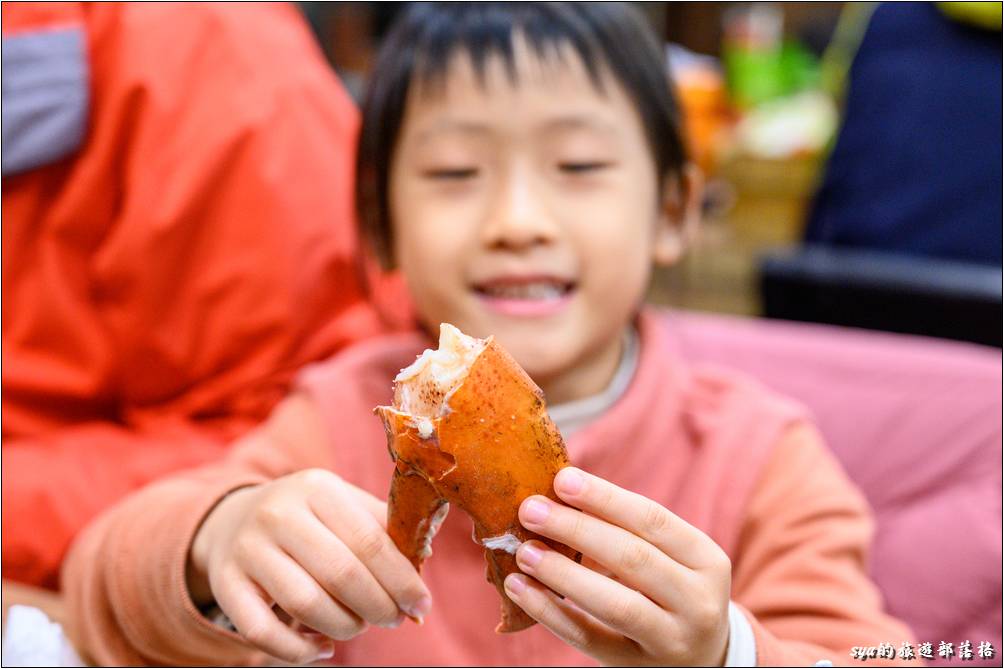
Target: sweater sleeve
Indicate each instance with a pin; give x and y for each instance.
(124, 578)
(800, 570)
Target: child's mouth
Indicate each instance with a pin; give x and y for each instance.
(525, 296)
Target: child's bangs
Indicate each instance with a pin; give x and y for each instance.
(487, 32)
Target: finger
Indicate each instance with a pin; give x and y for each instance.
(302, 597)
(625, 610)
(638, 515)
(566, 621)
(254, 619)
(374, 506)
(331, 563)
(635, 561)
(377, 555)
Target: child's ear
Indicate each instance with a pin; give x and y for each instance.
(680, 214)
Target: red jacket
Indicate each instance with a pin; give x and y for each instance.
(166, 272)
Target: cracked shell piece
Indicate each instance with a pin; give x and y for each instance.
(469, 429)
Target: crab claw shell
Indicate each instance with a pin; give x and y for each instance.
(492, 446)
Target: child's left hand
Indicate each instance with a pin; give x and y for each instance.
(669, 604)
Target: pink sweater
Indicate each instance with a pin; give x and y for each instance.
(717, 449)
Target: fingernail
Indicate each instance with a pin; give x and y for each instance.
(420, 608)
(571, 481)
(515, 584)
(535, 511)
(326, 652)
(529, 555)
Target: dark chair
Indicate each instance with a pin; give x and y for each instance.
(883, 291)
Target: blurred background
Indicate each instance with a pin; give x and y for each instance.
(853, 172)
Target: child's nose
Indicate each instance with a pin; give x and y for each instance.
(518, 217)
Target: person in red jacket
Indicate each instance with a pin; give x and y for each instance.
(178, 241)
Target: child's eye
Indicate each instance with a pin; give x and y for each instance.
(451, 174)
(583, 167)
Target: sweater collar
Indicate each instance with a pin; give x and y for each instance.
(570, 417)
(643, 419)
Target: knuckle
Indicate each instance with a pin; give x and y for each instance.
(634, 558)
(546, 610)
(246, 547)
(679, 647)
(624, 614)
(576, 525)
(316, 478)
(687, 545)
(606, 497)
(270, 514)
(577, 637)
(303, 603)
(260, 635)
(706, 616)
(655, 520)
(555, 569)
(343, 570)
(369, 544)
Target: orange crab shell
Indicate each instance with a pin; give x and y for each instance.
(494, 446)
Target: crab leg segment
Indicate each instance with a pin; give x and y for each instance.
(470, 428)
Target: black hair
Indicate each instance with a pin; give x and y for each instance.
(427, 35)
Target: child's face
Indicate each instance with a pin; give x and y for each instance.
(532, 211)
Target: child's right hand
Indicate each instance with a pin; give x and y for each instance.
(316, 546)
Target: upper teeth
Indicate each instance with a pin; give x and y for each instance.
(543, 290)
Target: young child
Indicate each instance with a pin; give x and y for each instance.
(522, 165)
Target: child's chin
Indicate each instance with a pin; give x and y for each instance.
(542, 347)
(540, 362)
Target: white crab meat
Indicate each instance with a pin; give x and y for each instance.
(506, 542)
(429, 527)
(423, 388)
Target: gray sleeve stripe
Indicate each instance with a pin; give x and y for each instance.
(45, 97)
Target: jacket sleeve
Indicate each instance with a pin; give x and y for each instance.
(800, 571)
(213, 198)
(124, 577)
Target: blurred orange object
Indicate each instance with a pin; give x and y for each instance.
(704, 103)
(163, 283)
